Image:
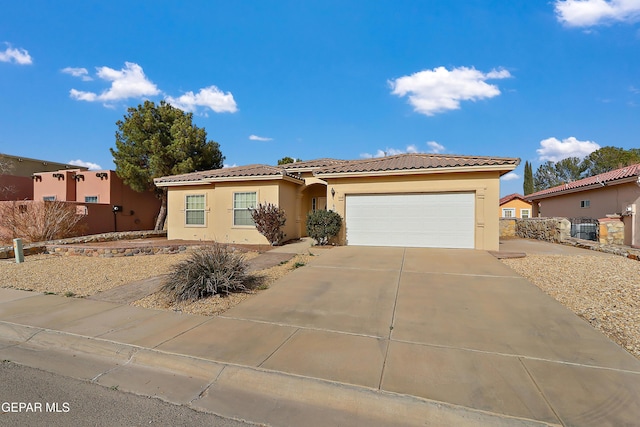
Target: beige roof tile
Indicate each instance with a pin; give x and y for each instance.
(233, 172)
(415, 162)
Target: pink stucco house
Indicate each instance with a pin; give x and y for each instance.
(612, 193)
(109, 204)
(16, 174)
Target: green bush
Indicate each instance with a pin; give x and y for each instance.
(269, 221)
(323, 225)
(215, 269)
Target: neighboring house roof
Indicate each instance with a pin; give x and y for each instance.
(419, 163)
(614, 177)
(510, 197)
(227, 174)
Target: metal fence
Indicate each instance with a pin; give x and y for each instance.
(585, 228)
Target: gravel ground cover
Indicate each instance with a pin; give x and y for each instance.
(80, 276)
(604, 291)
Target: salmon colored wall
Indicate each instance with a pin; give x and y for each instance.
(486, 186)
(112, 190)
(139, 210)
(88, 185)
(21, 187)
(518, 205)
(64, 189)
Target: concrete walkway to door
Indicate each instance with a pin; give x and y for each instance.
(454, 326)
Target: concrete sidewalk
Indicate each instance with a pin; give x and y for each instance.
(360, 336)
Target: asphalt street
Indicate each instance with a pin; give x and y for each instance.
(31, 397)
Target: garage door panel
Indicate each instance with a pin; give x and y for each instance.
(415, 220)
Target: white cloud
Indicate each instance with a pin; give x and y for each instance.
(129, 82)
(259, 138)
(224, 166)
(390, 152)
(510, 176)
(586, 13)
(208, 97)
(435, 148)
(91, 166)
(438, 90)
(556, 150)
(83, 73)
(16, 55)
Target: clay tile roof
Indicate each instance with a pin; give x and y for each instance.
(233, 172)
(316, 163)
(415, 162)
(603, 179)
(511, 197)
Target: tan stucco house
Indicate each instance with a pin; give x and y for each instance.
(514, 206)
(611, 193)
(419, 200)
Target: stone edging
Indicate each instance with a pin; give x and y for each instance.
(624, 251)
(57, 246)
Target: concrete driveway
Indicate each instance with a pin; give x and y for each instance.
(455, 326)
(360, 336)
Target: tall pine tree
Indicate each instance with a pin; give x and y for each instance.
(528, 178)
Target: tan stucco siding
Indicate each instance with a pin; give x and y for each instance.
(516, 204)
(485, 186)
(219, 224)
(289, 202)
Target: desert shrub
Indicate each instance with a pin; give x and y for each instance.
(269, 221)
(40, 221)
(215, 269)
(323, 225)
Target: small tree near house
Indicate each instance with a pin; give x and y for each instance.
(269, 221)
(323, 225)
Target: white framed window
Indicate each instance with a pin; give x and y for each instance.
(194, 209)
(525, 213)
(91, 199)
(49, 198)
(508, 212)
(585, 203)
(241, 204)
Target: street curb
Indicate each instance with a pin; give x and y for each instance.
(233, 391)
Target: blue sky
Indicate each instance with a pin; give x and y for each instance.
(539, 80)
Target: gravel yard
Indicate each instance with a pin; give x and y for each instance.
(81, 276)
(604, 291)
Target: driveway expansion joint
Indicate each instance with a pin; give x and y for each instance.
(544, 397)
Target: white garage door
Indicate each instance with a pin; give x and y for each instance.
(437, 220)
